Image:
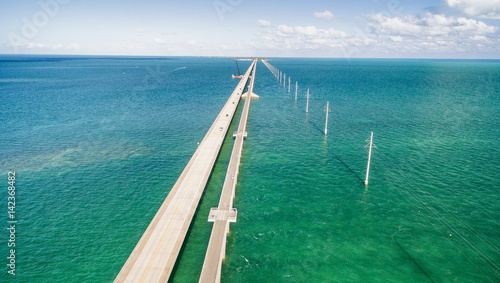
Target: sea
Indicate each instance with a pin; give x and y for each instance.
(95, 143)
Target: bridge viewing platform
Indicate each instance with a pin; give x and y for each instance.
(154, 256)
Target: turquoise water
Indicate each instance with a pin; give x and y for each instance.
(97, 143)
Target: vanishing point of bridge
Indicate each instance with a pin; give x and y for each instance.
(154, 256)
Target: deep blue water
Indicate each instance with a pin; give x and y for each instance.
(98, 142)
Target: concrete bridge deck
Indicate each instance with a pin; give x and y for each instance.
(154, 257)
(225, 213)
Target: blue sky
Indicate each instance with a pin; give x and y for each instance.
(264, 28)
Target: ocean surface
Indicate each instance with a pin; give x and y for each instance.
(98, 142)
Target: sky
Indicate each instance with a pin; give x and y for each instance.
(463, 29)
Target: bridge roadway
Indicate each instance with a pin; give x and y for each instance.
(225, 213)
(153, 259)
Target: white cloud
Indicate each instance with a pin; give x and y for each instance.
(382, 24)
(285, 29)
(32, 45)
(309, 30)
(431, 33)
(383, 36)
(73, 46)
(324, 15)
(429, 24)
(140, 31)
(159, 40)
(488, 9)
(42, 46)
(479, 38)
(263, 23)
(301, 38)
(396, 38)
(193, 42)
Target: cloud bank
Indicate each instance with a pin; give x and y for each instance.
(381, 34)
(487, 9)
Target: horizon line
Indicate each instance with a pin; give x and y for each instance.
(245, 57)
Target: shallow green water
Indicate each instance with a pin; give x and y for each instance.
(97, 143)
